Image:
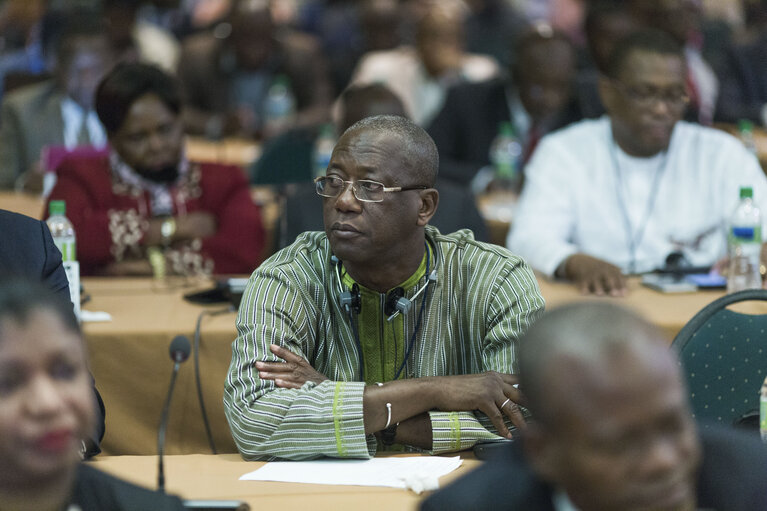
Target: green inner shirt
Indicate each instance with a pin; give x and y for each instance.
(384, 343)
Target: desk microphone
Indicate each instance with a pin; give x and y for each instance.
(179, 352)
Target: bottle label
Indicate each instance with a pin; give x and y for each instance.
(763, 417)
(67, 248)
(72, 269)
(744, 233)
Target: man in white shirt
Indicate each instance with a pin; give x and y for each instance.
(56, 112)
(617, 195)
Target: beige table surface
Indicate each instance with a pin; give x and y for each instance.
(132, 367)
(216, 477)
(669, 311)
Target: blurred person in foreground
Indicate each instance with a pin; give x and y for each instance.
(145, 209)
(46, 407)
(612, 429)
(618, 195)
(29, 251)
(314, 374)
(536, 97)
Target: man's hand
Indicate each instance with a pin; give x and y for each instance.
(291, 374)
(494, 394)
(592, 275)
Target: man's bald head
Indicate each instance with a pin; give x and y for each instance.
(583, 336)
(418, 151)
(612, 427)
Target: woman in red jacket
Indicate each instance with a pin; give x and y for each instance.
(146, 200)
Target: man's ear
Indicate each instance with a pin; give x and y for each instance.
(542, 452)
(429, 203)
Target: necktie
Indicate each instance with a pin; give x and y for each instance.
(83, 136)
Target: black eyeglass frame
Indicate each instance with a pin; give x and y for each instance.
(647, 100)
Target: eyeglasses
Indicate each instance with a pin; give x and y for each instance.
(364, 190)
(647, 97)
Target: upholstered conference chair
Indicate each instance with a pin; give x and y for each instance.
(724, 355)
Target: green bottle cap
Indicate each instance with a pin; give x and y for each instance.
(57, 207)
(745, 125)
(505, 128)
(746, 192)
(327, 130)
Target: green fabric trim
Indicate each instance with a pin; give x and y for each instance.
(338, 402)
(384, 343)
(455, 430)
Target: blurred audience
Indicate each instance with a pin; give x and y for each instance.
(347, 29)
(682, 20)
(421, 74)
(607, 22)
(743, 93)
(228, 76)
(59, 111)
(618, 195)
(21, 45)
(536, 98)
(613, 429)
(136, 39)
(47, 408)
(491, 27)
(145, 209)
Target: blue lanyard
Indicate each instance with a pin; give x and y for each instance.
(634, 238)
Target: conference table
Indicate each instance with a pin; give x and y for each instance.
(130, 360)
(198, 476)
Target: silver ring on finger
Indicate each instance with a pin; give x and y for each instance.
(505, 402)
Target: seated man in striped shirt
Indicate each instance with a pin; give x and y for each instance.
(380, 330)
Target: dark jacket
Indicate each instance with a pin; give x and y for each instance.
(732, 477)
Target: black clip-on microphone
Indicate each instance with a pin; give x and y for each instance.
(179, 352)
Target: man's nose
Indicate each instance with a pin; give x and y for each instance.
(346, 200)
(664, 454)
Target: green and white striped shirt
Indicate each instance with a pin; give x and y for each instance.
(483, 300)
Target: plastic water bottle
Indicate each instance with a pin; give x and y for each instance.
(63, 234)
(763, 411)
(745, 244)
(746, 132)
(323, 149)
(279, 105)
(62, 230)
(505, 153)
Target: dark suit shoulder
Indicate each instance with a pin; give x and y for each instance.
(505, 482)
(96, 490)
(12, 223)
(733, 473)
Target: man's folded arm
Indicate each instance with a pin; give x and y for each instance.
(515, 303)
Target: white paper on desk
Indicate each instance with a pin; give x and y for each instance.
(94, 316)
(391, 472)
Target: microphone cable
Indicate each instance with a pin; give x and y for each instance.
(197, 377)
